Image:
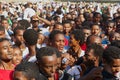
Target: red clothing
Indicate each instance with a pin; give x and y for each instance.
(66, 42)
(6, 74)
(83, 46)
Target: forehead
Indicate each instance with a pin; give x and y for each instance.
(58, 36)
(116, 62)
(49, 59)
(86, 30)
(95, 26)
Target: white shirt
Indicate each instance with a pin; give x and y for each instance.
(28, 13)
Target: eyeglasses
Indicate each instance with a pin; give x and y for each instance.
(35, 21)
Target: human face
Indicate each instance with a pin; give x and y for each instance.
(59, 42)
(90, 57)
(59, 62)
(5, 24)
(17, 56)
(67, 27)
(114, 67)
(19, 36)
(95, 30)
(116, 36)
(35, 23)
(2, 34)
(73, 41)
(97, 18)
(6, 50)
(18, 75)
(48, 65)
(59, 27)
(41, 38)
(87, 33)
(110, 27)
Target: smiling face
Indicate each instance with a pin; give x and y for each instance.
(114, 67)
(17, 56)
(6, 50)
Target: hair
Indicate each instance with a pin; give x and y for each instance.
(88, 41)
(53, 33)
(4, 20)
(94, 25)
(98, 50)
(45, 51)
(110, 21)
(29, 70)
(111, 53)
(86, 27)
(95, 14)
(30, 36)
(17, 28)
(2, 28)
(57, 24)
(4, 39)
(66, 22)
(116, 43)
(78, 35)
(24, 23)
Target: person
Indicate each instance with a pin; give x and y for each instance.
(17, 55)
(2, 32)
(26, 71)
(31, 36)
(6, 55)
(76, 39)
(95, 29)
(57, 40)
(41, 41)
(19, 40)
(47, 62)
(111, 63)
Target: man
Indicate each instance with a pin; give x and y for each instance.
(47, 62)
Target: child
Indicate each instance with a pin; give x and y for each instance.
(17, 55)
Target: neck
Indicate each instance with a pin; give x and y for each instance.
(6, 65)
(32, 50)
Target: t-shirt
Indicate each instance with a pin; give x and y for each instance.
(6, 74)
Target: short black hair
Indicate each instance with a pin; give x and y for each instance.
(88, 41)
(115, 43)
(18, 28)
(66, 22)
(98, 50)
(53, 33)
(95, 14)
(30, 36)
(4, 39)
(29, 69)
(24, 23)
(45, 51)
(78, 35)
(111, 53)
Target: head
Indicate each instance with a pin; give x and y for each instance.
(30, 36)
(111, 60)
(76, 37)
(17, 55)
(110, 27)
(56, 39)
(18, 35)
(24, 23)
(67, 26)
(58, 26)
(97, 17)
(114, 36)
(86, 31)
(95, 29)
(34, 21)
(2, 32)
(26, 71)
(41, 38)
(93, 39)
(5, 23)
(93, 54)
(6, 50)
(47, 61)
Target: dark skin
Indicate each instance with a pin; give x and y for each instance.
(6, 55)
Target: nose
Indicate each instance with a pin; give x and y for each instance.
(53, 69)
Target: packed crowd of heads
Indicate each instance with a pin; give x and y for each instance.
(59, 41)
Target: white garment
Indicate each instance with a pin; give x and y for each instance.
(28, 13)
(25, 53)
(75, 71)
(82, 53)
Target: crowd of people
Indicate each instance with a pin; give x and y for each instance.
(59, 41)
